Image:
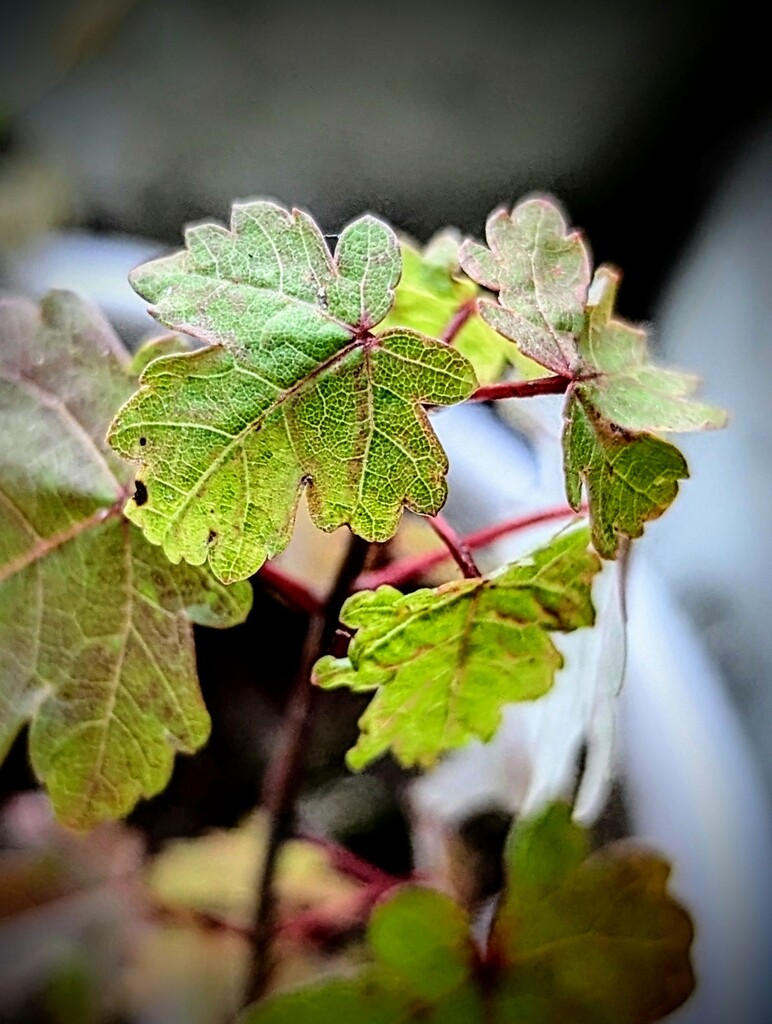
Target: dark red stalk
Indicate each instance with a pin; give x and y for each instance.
(283, 774)
(417, 565)
(458, 549)
(557, 385)
(457, 321)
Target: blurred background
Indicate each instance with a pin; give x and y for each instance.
(121, 120)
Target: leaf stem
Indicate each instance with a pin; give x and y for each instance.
(458, 549)
(457, 321)
(557, 385)
(282, 779)
(417, 565)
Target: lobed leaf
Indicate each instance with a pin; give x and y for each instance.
(630, 478)
(295, 392)
(615, 398)
(96, 644)
(592, 938)
(586, 939)
(444, 662)
(541, 272)
(431, 292)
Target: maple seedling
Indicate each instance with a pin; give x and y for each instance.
(137, 497)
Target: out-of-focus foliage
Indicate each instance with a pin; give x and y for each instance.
(96, 639)
(591, 939)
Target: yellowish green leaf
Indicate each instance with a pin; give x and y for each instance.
(444, 661)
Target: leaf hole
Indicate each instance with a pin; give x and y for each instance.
(212, 537)
(142, 442)
(140, 494)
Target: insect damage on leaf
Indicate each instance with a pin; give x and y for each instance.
(96, 640)
(578, 937)
(444, 662)
(615, 398)
(295, 391)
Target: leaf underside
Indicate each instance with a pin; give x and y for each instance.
(96, 645)
(615, 398)
(296, 392)
(444, 662)
(582, 939)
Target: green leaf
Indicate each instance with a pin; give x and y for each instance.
(422, 955)
(593, 939)
(444, 662)
(296, 392)
(622, 386)
(577, 939)
(432, 291)
(96, 644)
(154, 348)
(615, 397)
(541, 271)
(630, 478)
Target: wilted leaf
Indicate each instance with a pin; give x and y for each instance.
(445, 661)
(96, 644)
(614, 396)
(295, 392)
(577, 939)
(432, 291)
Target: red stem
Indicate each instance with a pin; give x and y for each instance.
(347, 863)
(557, 385)
(457, 321)
(417, 565)
(457, 548)
(298, 596)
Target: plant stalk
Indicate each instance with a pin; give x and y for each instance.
(557, 385)
(283, 775)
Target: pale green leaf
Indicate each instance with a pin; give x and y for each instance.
(444, 662)
(96, 645)
(432, 291)
(154, 348)
(541, 271)
(296, 393)
(623, 386)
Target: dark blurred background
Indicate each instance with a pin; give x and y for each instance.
(121, 120)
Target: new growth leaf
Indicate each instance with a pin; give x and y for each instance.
(615, 398)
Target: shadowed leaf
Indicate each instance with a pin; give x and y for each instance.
(96, 644)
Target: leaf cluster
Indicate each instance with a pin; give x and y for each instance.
(577, 937)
